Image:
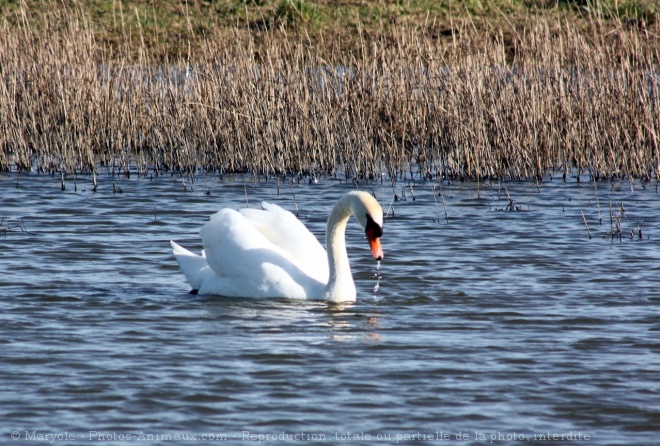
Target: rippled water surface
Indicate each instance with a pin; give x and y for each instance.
(502, 326)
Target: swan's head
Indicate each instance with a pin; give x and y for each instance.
(369, 215)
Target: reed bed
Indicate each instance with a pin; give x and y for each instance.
(516, 103)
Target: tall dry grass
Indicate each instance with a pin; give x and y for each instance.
(506, 104)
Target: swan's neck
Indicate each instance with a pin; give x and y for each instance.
(340, 284)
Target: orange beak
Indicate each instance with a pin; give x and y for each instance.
(374, 243)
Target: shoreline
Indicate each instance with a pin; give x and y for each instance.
(476, 103)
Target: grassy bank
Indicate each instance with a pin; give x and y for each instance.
(167, 26)
(431, 88)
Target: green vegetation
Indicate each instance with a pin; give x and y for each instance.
(166, 26)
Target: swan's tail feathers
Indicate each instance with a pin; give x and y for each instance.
(194, 267)
(179, 250)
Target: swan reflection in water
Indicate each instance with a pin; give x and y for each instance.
(349, 324)
(343, 322)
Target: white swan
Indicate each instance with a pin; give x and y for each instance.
(269, 252)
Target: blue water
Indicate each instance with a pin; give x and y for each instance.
(496, 327)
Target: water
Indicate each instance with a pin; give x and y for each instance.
(496, 326)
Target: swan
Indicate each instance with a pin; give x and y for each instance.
(269, 253)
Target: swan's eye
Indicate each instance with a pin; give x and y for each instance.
(373, 227)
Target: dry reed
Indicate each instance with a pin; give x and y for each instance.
(407, 104)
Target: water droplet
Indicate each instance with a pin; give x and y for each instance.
(377, 277)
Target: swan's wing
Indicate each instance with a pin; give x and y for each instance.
(246, 263)
(285, 230)
(194, 267)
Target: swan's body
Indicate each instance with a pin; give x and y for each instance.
(269, 253)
